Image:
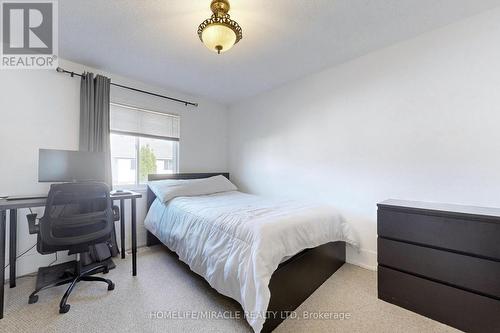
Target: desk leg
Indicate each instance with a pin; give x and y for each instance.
(122, 228)
(134, 238)
(12, 247)
(2, 259)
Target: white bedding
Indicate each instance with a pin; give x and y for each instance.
(236, 241)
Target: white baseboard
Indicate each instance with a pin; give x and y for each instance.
(362, 257)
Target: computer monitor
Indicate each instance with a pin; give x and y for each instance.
(56, 166)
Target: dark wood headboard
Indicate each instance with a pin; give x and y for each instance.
(151, 196)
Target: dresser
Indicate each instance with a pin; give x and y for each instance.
(441, 261)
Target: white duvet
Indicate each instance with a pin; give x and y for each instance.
(236, 241)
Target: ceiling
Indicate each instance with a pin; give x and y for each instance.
(155, 41)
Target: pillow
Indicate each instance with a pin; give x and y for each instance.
(169, 189)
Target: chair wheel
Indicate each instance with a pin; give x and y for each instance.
(111, 286)
(64, 308)
(105, 271)
(33, 299)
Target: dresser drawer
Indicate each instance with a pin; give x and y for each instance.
(471, 273)
(475, 236)
(461, 309)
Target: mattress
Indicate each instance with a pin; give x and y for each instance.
(236, 240)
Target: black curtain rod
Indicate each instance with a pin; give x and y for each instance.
(186, 103)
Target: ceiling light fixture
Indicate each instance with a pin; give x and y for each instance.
(219, 33)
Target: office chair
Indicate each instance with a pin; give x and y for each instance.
(77, 215)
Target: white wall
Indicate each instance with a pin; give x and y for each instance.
(40, 109)
(419, 120)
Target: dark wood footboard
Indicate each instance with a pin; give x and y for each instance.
(297, 278)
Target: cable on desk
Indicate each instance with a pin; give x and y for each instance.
(22, 254)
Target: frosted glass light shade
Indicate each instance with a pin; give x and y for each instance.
(218, 37)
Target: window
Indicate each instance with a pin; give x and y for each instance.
(142, 142)
(164, 165)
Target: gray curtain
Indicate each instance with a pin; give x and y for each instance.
(94, 118)
(94, 136)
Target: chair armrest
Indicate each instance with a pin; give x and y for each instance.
(116, 213)
(33, 227)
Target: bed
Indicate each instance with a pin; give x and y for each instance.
(251, 274)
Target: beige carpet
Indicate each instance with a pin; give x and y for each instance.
(164, 284)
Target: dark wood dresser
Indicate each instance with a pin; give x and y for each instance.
(441, 261)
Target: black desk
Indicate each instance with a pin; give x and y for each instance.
(13, 205)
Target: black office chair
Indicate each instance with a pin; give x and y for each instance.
(77, 215)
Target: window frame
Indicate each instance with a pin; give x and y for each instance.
(137, 185)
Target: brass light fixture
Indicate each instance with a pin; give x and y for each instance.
(219, 33)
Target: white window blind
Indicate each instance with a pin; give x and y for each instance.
(143, 123)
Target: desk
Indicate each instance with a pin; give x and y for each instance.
(12, 206)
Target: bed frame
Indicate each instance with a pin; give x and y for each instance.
(295, 279)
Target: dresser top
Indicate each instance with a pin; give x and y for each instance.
(441, 207)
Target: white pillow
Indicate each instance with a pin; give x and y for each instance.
(169, 189)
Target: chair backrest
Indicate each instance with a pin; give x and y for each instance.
(76, 214)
